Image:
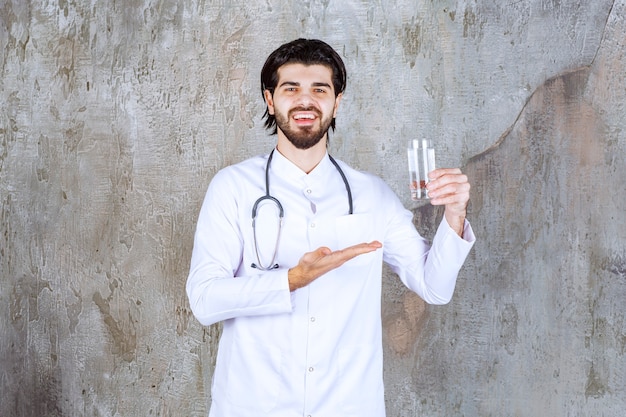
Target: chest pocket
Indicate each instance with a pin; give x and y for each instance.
(354, 229)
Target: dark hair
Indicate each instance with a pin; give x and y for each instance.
(301, 51)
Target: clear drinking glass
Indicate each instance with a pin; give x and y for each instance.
(421, 156)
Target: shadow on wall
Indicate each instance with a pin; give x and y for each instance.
(546, 205)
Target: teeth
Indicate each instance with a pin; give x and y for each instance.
(304, 116)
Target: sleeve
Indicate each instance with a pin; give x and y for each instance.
(429, 271)
(215, 292)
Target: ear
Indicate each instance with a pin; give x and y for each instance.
(269, 100)
(337, 101)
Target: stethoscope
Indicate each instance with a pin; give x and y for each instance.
(281, 212)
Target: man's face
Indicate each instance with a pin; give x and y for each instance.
(303, 103)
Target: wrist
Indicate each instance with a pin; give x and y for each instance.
(456, 221)
(293, 279)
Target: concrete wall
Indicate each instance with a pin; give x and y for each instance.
(115, 116)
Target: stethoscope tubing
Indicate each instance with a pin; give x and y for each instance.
(281, 215)
(281, 212)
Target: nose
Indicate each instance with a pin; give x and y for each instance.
(304, 99)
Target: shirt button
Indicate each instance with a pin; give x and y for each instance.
(311, 369)
(312, 318)
(309, 191)
(312, 225)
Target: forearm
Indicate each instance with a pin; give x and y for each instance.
(431, 272)
(449, 250)
(213, 299)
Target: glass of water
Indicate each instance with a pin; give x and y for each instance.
(421, 156)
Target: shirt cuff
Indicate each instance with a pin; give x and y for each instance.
(468, 232)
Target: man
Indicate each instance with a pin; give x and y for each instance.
(298, 289)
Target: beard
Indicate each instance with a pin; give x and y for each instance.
(303, 137)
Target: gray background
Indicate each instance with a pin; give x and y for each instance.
(116, 115)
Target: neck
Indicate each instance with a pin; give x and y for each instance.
(305, 159)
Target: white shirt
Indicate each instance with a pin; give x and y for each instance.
(316, 351)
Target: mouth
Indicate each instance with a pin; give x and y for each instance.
(306, 117)
(301, 116)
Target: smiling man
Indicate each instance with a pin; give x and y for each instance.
(288, 254)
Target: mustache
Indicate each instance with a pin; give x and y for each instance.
(311, 109)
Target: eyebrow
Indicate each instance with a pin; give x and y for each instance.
(296, 84)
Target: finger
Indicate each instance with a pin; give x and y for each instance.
(458, 203)
(447, 189)
(458, 200)
(343, 255)
(440, 172)
(447, 179)
(361, 248)
(374, 244)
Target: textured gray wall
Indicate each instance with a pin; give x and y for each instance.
(115, 115)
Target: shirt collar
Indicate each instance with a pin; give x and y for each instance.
(284, 167)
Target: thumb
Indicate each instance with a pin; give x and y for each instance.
(316, 255)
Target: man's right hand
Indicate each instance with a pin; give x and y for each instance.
(314, 264)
